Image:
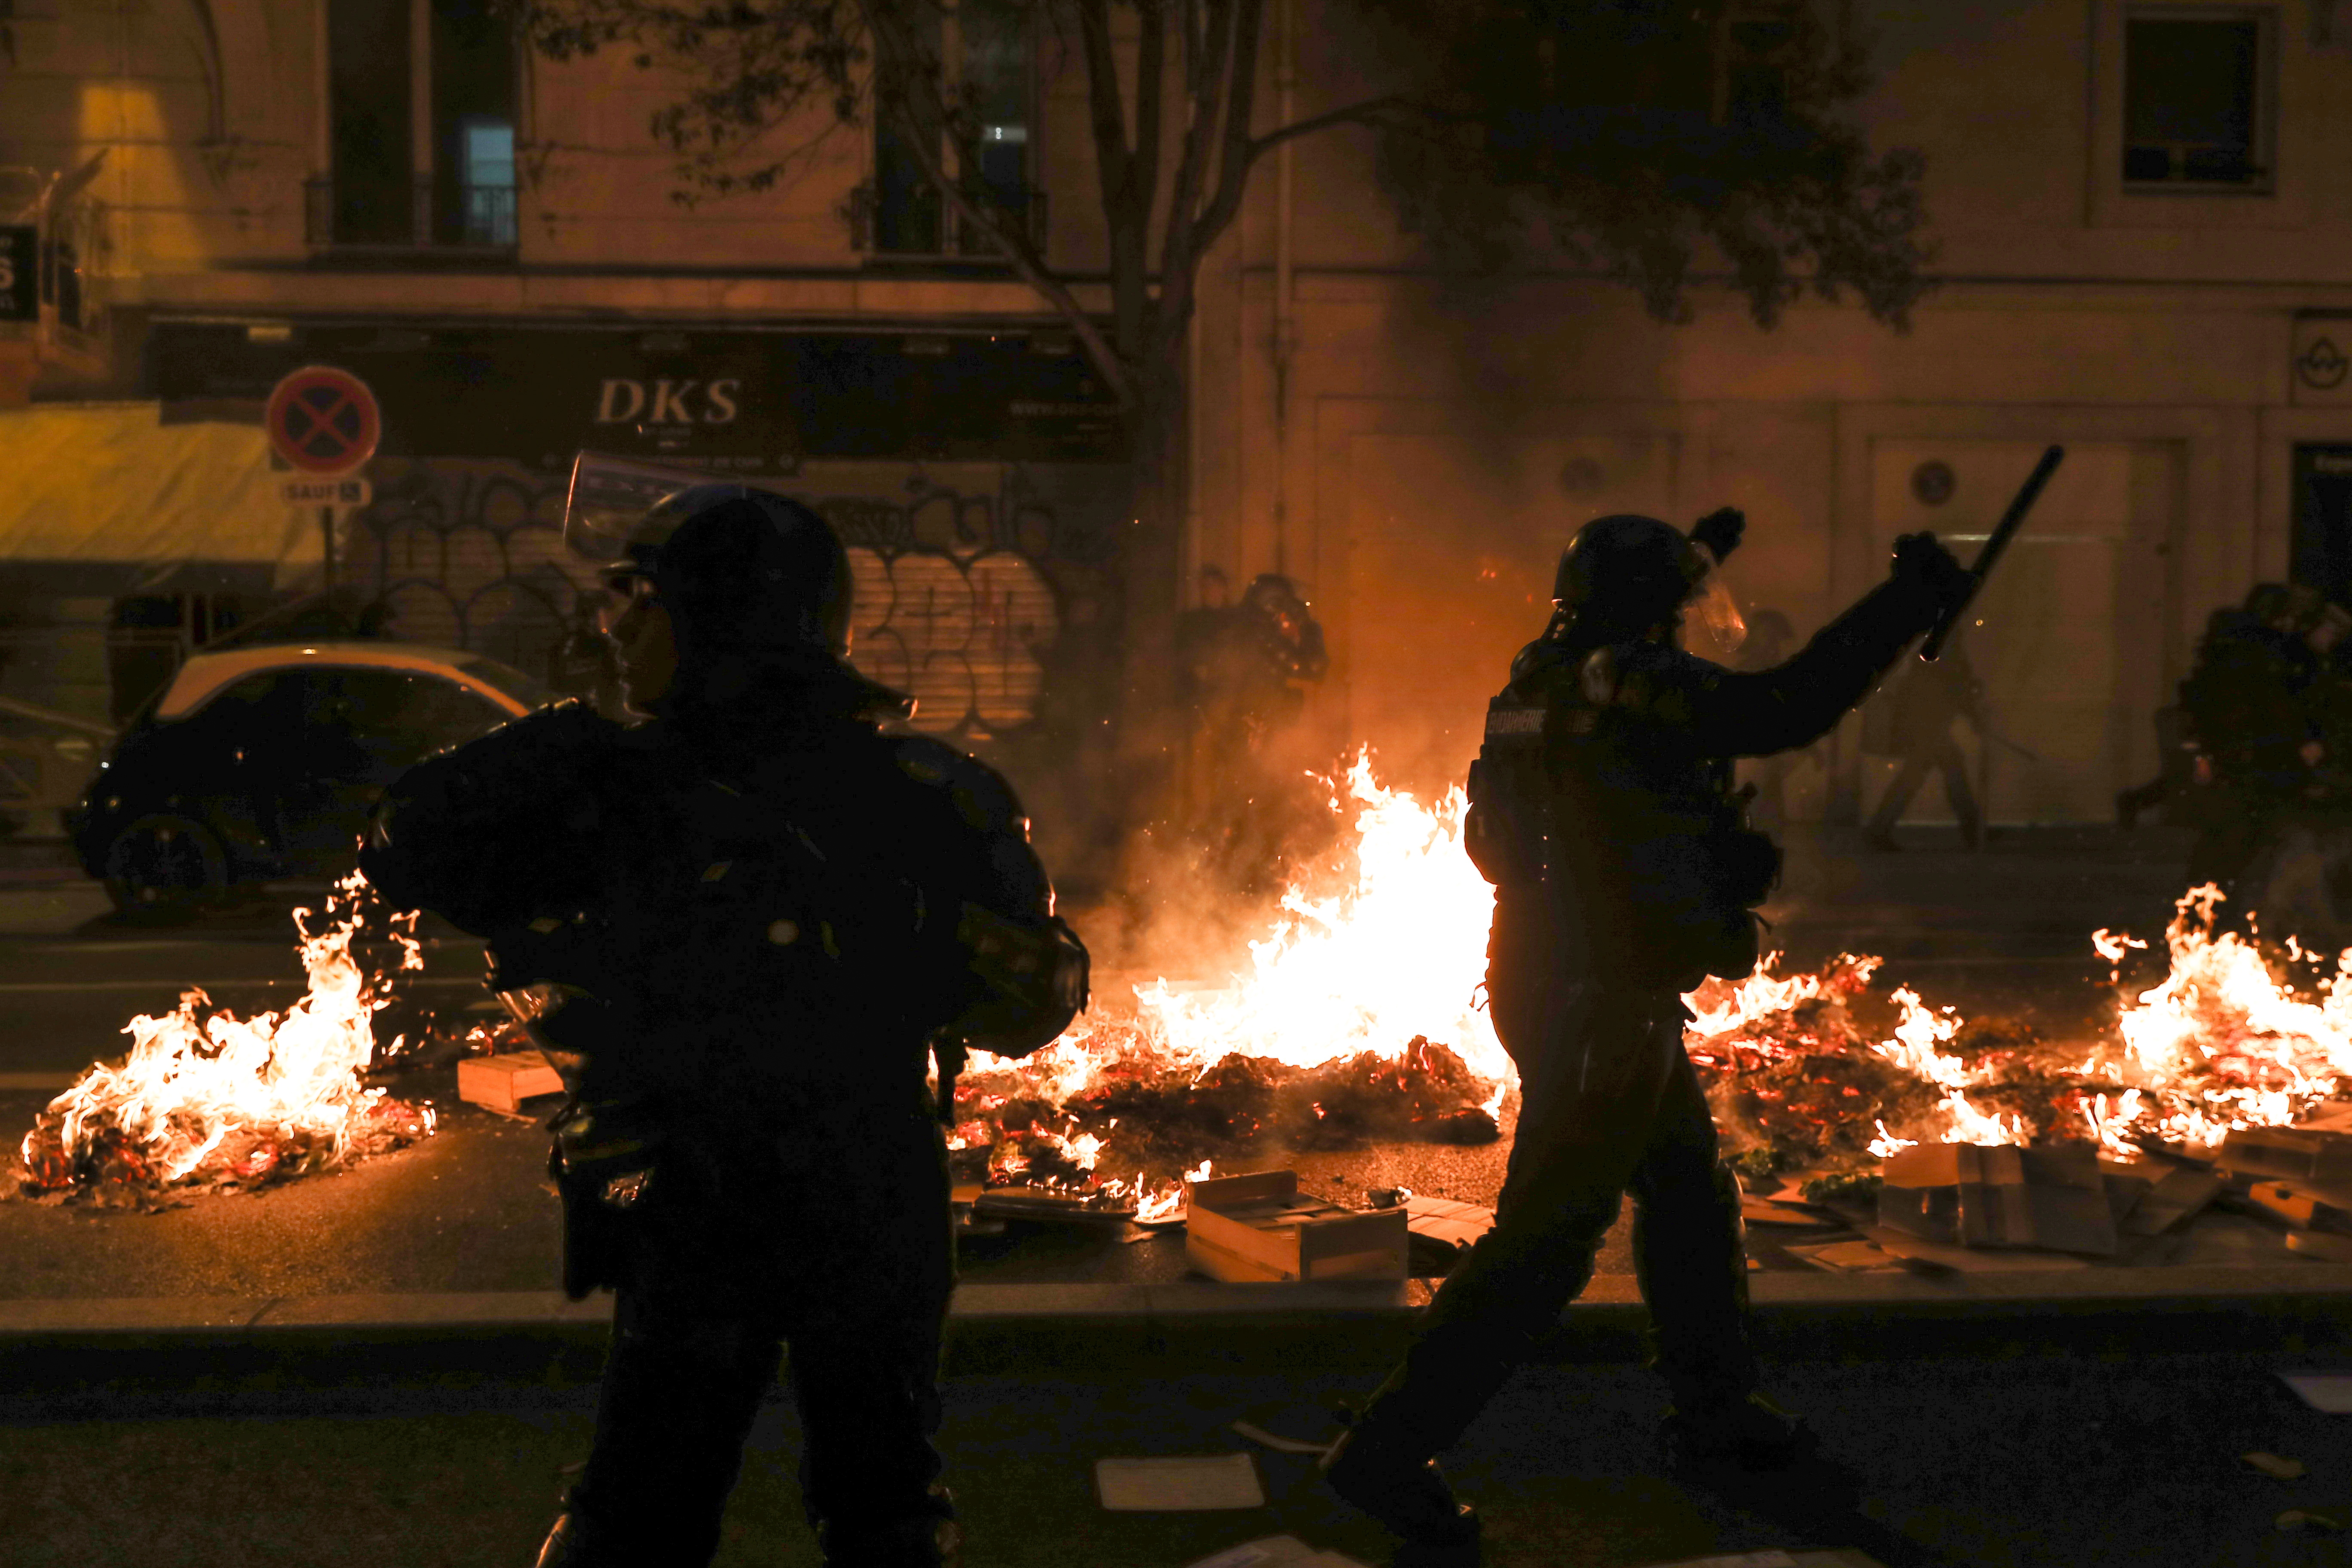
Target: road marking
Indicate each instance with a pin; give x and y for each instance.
(28, 987)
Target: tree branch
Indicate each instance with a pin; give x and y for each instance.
(1370, 111)
(1151, 90)
(1114, 164)
(1206, 92)
(1236, 156)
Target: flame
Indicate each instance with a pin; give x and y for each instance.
(2222, 1042)
(1396, 953)
(205, 1094)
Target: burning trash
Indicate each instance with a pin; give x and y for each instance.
(1360, 1019)
(208, 1102)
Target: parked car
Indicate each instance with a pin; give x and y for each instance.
(261, 763)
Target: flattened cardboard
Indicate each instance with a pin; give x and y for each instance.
(2330, 1392)
(1275, 1551)
(1848, 1257)
(2298, 1153)
(2179, 1195)
(1969, 1259)
(1764, 1211)
(1189, 1483)
(2326, 1246)
(1443, 1219)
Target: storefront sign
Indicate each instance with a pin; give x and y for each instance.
(739, 402)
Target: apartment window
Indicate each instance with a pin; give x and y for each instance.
(988, 54)
(2197, 99)
(421, 96)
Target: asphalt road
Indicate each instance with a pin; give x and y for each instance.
(2034, 1461)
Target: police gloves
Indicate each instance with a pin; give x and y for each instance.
(1924, 564)
(1720, 531)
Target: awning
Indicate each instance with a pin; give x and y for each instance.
(106, 485)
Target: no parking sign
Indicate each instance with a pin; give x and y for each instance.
(323, 420)
(324, 423)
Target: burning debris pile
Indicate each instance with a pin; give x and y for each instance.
(206, 1101)
(2222, 1043)
(1358, 1021)
(1161, 1117)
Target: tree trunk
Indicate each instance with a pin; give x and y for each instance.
(1152, 732)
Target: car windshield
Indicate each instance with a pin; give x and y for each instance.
(507, 679)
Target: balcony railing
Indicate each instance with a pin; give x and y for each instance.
(424, 215)
(922, 226)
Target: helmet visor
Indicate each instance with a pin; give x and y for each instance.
(1711, 616)
(609, 500)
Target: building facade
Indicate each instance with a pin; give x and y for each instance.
(2143, 255)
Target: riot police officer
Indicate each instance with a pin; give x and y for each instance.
(1624, 876)
(741, 926)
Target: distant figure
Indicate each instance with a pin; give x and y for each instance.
(1930, 699)
(2244, 702)
(1242, 672)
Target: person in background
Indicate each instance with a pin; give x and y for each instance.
(1930, 700)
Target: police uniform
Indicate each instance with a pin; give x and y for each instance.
(2242, 698)
(1601, 810)
(741, 928)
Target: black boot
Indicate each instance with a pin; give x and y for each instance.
(1690, 1258)
(928, 1539)
(1408, 1495)
(1751, 1434)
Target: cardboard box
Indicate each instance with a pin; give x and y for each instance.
(503, 1082)
(1258, 1226)
(2054, 1198)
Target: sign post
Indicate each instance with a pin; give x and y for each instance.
(324, 424)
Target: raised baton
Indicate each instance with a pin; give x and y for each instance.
(2011, 522)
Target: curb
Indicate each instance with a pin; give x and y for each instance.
(150, 1345)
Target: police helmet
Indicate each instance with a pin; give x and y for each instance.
(1625, 571)
(738, 568)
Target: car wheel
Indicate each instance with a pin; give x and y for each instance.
(165, 867)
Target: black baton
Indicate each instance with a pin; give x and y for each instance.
(2011, 522)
